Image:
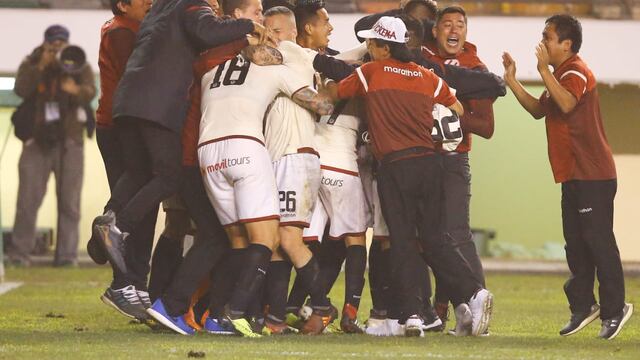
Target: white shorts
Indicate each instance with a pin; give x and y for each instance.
(238, 176)
(341, 202)
(298, 183)
(376, 220)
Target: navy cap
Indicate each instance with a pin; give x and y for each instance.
(56, 32)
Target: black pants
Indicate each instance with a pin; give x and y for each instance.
(152, 170)
(587, 222)
(139, 244)
(410, 197)
(210, 245)
(456, 187)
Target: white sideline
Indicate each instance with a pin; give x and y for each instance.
(8, 286)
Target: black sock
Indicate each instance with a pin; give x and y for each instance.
(310, 275)
(332, 255)
(354, 274)
(276, 289)
(299, 292)
(166, 259)
(223, 280)
(251, 279)
(375, 253)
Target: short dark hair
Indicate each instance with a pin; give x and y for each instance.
(114, 6)
(451, 10)
(228, 6)
(412, 4)
(278, 10)
(306, 12)
(399, 51)
(413, 25)
(268, 4)
(567, 28)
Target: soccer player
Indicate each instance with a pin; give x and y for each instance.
(150, 106)
(128, 291)
(289, 131)
(211, 242)
(582, 162)
(237, 168)
(451, 47)
(399, 97)
(342, 202)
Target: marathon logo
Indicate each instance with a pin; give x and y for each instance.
(227, 163)
(332, 182)
(384, 32)
(403, 72)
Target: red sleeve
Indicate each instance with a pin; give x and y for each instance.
(191, 129)
(442, 94)
(575, 81)
(354, 84)
(478, 117)
(216, 56)
(122, 42)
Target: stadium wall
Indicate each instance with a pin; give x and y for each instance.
(513, 190)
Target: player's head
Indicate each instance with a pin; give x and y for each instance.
(387, 39)
(450, 30)
(132, 9)
(313, 24)
(243, 9)
(282, 22)
(415, 32)
(421, 9)
(562, 36)
(215, 5)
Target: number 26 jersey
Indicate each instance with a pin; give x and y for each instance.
(236, 94)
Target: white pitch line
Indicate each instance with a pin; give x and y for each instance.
(8, 286)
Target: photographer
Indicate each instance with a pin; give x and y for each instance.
(57, 84)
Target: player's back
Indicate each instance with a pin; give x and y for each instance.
(236, 94)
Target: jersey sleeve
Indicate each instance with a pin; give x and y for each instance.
(442, 94)
(575, 81)
(290, 81)
(355, 84)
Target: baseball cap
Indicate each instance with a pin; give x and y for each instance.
(56, 32)
(386, 28)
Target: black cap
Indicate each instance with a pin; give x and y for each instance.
(56, 32)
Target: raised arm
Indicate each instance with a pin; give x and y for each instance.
(528, 101)
(262, 55)
(561, 96)
(208, 30)
(312, 100)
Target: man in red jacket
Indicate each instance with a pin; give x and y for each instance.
(451, 47)
(128, 291)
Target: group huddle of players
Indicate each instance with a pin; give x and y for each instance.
(288, 167)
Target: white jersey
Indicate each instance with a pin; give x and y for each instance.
(336, 134)
(236, 94)
(289, 126)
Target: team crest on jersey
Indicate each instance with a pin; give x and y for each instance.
(452, 62)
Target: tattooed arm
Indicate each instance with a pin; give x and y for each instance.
(310, 99)
(262, 55)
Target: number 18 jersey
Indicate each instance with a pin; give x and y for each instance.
(236, 94)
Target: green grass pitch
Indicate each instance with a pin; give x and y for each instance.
(529, 310)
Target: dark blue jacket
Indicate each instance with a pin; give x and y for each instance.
(155, 84)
